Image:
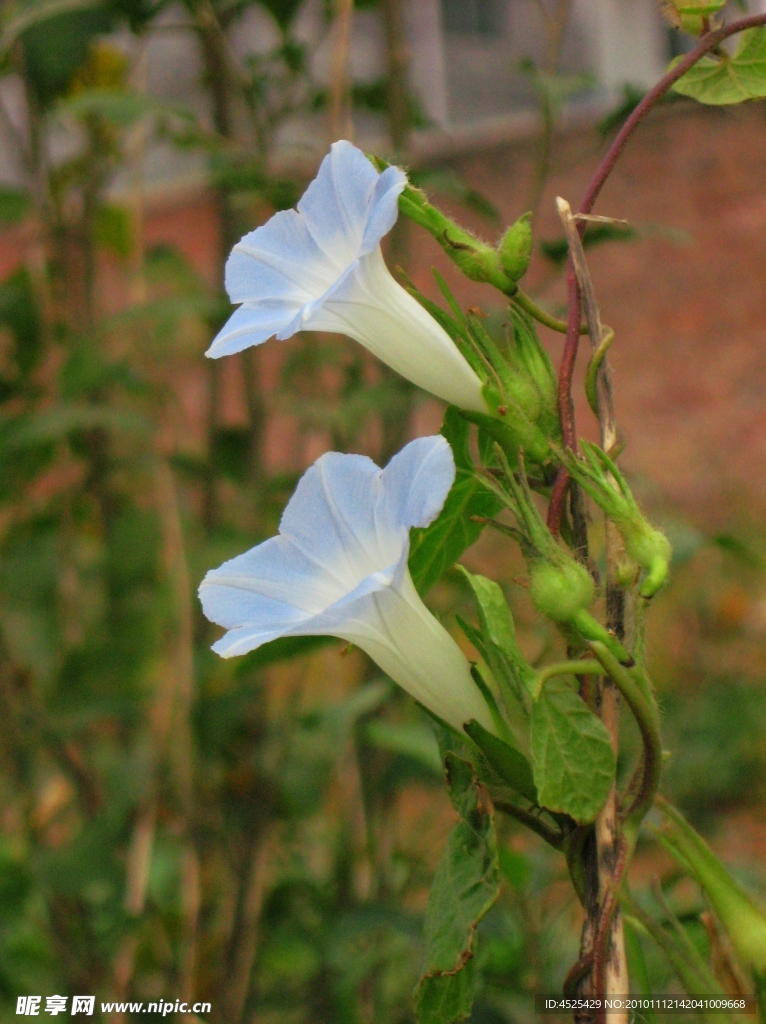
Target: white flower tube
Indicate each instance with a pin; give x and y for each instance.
(339, 568)
(320, 268)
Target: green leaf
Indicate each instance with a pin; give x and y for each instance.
(510, 764)
(119, 107)
(466, 884)
(113, 230)
(54, 424)
(23, 16)
(557, 249)
(742, 918)
(19, 315)
(447, 997)
(436, 548)
(572, 757)
(515, 868)
(15, 204)
(56, 45)
(719, 80)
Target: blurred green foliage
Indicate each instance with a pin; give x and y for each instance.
(171, 824)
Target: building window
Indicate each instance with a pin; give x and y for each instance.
(475, 17)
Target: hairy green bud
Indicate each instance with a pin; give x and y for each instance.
(560, 588)
(476, 259)
(515, 247)
(599, 476)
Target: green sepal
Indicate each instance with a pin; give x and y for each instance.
(517, 711)
(490, 701)
(528, 356)
(509, 763)
(560, 587)
(512, 430)
(515, 385)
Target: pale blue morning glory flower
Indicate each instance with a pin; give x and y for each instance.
(338, 567)
(320, 268)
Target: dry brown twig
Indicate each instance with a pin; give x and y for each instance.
(604, 934)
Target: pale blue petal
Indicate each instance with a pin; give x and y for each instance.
(252, 324)
(336, 204)
(284, 270)
(253, 631)
(331, 517)
(416, 483)
(279, 260)
(274, 580)
(343, 538)
(384, 208)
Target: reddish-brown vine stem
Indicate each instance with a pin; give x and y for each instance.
(605, 168)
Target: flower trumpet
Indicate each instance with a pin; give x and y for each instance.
(320, 268)
(338, 567)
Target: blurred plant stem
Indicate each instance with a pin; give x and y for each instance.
(396, 418)
(135, 156)
(341, 123)
(603, 935)
(181, 669)
(226, 88)
(555, 19)
(247, 926)
(397, 64)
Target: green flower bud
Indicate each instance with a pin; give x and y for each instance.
(515, 247)
(744, 922)
(560, 589)
(647, 546)
(476, 259)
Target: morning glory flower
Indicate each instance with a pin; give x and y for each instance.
(320, 268)
(338, 567)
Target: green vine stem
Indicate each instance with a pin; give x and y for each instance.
(530, 819)
(641, 703)
(523, 301)
(566, 371)
(583, 667)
